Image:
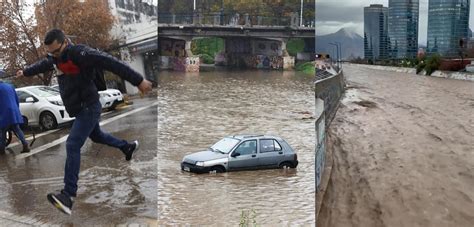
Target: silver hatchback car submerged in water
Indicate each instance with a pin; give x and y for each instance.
(242, 152)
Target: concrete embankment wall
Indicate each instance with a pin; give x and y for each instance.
(328, 93)
(442, 74)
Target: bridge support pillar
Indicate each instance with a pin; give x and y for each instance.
(288, 61)
(187, 47)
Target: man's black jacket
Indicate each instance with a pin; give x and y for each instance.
(76, 70)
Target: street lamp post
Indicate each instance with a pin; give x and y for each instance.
(301, 14)
(340, 52)
(337, 50)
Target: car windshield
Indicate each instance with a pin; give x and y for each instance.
(44, 91)
(225, 145)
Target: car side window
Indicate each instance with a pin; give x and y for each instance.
(22, 96)
(247, 147)
(269, 145)
(277, 145)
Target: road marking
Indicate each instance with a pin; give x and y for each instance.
(64, 138)
(47, 133)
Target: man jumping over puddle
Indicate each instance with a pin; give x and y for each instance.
(78, 67)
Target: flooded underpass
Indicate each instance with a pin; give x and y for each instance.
(111, 190)
(404, 152)
(196, 110)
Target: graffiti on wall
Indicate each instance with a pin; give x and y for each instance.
(173, 48)
(192, 64)
(185, 64)
(264, 62)
(256, 61)
(220, 59)
(238, 46)
(267, 47)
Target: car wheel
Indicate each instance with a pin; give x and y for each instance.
(112, 108)
(48, 121)
(286, 165)
(217, 169)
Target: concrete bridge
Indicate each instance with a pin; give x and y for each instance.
(249, 41)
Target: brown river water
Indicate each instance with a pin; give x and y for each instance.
(197, 109)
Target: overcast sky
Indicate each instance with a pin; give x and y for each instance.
(332, 15)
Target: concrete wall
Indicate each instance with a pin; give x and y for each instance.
(328, 93)
(137, 63)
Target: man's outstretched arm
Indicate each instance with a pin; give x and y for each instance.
(89, 57)
(41, 66)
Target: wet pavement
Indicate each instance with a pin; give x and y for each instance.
(198, 109)
(111, 190)
(403, 152)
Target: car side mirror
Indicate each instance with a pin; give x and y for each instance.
(235, 154)
(30, 100)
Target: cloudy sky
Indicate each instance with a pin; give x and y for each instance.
(332, 15)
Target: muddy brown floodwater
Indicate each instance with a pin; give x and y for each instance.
(404, 152)
(196, 110)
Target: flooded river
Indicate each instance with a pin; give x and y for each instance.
(196, 110)
(404, 152)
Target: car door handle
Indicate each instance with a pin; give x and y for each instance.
(280, 152)
(254, 155)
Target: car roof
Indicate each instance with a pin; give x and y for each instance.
(255, 136)
(29, 87)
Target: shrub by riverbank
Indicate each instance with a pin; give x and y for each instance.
(306, 67)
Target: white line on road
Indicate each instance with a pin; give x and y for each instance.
(46, 133)
(64, 138)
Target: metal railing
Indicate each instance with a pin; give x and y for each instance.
(221, 19)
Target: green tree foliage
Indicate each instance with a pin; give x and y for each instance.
(294, 46)
(209, 46)
(432, 63)
(268, 8)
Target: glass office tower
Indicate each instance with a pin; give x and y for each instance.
(448, 23)
(375, 32)
(403, 28)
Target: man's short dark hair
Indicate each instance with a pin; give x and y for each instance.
(54, 34)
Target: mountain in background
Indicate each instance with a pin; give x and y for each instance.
(351, 42)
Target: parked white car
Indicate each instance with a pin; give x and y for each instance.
(112, 95)
(42, 106)
(109, 98)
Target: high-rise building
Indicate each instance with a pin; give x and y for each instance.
(403, 28)
(375, 32)
(448, 23)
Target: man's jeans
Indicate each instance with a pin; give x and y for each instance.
(85, 125)
(19, 134)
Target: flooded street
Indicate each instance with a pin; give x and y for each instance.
(111, 191)
(404, 152)
(197, 110)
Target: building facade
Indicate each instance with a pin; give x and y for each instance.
(448, 23)
(375, 32)
(403, 28)
(137, 30)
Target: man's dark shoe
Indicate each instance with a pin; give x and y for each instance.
(130, 149)
(61, 201)
(26, 148)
